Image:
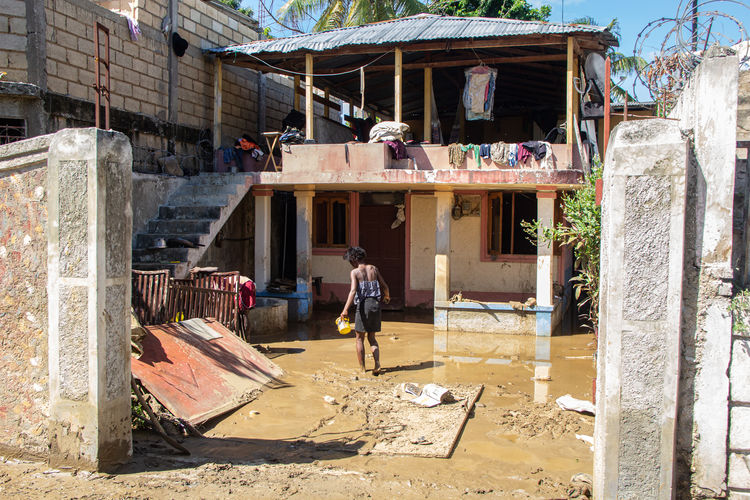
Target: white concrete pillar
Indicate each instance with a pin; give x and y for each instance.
(262, 238)
(304, 254)
(89, 254)
(442, 256)
(545, 213)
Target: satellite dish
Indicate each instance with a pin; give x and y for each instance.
(596, 74)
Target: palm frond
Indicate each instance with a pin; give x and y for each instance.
(296, 10)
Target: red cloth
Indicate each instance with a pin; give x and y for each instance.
(247, 295)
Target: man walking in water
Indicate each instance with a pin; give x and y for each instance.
(368, 287)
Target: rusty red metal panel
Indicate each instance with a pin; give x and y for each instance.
(198, 377)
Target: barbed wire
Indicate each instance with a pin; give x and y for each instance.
(682, 43)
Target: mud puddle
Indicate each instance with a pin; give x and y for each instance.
(290, 443)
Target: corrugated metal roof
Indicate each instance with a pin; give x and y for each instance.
(422, 27)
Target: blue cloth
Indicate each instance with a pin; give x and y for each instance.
(484, 150)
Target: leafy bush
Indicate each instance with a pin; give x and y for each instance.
(582, 232)
(740, 309)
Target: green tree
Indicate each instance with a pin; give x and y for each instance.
(237, 5)
(330, 14)
(622, 65)
(509, 9)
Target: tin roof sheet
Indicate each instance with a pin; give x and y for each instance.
(422, 27)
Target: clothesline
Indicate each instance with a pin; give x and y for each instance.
(503, 154)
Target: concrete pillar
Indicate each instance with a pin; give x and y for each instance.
(444, 207)
(304, 256)
(545, 207)
(643, 238)
(262, 238)
(89, 254)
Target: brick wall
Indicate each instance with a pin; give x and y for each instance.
(24, 395)
(13, 40)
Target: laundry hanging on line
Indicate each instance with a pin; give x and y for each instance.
(479, 92)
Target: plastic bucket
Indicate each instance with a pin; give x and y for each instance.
(343, 325)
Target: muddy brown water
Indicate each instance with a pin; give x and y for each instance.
(496, 451)
(290, 443)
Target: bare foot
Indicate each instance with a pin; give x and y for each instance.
(362, 368)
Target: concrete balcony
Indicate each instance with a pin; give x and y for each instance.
(356, 165)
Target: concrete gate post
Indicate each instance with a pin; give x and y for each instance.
(643, 239)
(89, 255)
(545, 296)
(442, 257)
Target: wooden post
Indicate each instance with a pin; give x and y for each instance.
(217, 103)
(296, 92)
(607, 102)
(427, 104)
(570, 95)
(309, 100)
(326, 107)
(398, 85)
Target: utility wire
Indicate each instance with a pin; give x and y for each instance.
(282, 70)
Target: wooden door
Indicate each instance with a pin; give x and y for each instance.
(385, 248)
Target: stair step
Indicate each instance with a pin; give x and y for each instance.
(164, 255)
(208, 190)
(144, 241)
(180, 226)
(188, 200)
(189, 212)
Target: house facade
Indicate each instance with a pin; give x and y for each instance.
(446, 233)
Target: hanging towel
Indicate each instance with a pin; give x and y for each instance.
(522, 154)
(512, 152)
(398, 149)
(484, 150)
(475, 148)
(499, 153)
(537, 148)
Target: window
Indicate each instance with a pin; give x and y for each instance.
(11, 130)
(331, 220)
(506, 210)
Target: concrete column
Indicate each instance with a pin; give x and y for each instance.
(89, 255)
(304, 255)
(643, 238)
(262, 238)
(545, 212)
(442, 256)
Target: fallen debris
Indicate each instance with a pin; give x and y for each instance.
(568, 402)
(330, 400)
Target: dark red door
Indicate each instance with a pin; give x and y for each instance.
(385, 248)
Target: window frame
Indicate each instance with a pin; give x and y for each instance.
(329, 198)
(486, 254)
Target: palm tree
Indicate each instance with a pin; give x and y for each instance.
(622, 65)
(339, 13)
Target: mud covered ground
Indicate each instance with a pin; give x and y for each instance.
(291, 443)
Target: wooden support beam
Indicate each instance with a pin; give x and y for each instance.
(570, 94)
(427, 105)
(398, 82)
(217, 103)
(326, 107)
(309, 101)
(296, 94)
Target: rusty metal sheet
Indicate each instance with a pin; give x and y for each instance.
(196, 378)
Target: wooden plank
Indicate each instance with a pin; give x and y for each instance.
(217, 103)
(398, 81)
(427, 105)
(326, 107)
(309, 101)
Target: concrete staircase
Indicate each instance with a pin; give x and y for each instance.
(196, 212)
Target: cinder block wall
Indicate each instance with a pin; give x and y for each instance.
(13, 40)
(140, 79)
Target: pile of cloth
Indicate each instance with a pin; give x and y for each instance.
(392, 135)
(479, 92)
(505, 155)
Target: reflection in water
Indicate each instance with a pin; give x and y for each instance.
(491, 348)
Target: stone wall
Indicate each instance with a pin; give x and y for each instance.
(665, 333)
(23, 298)
(13, 40)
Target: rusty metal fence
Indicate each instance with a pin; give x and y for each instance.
(159, 299)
